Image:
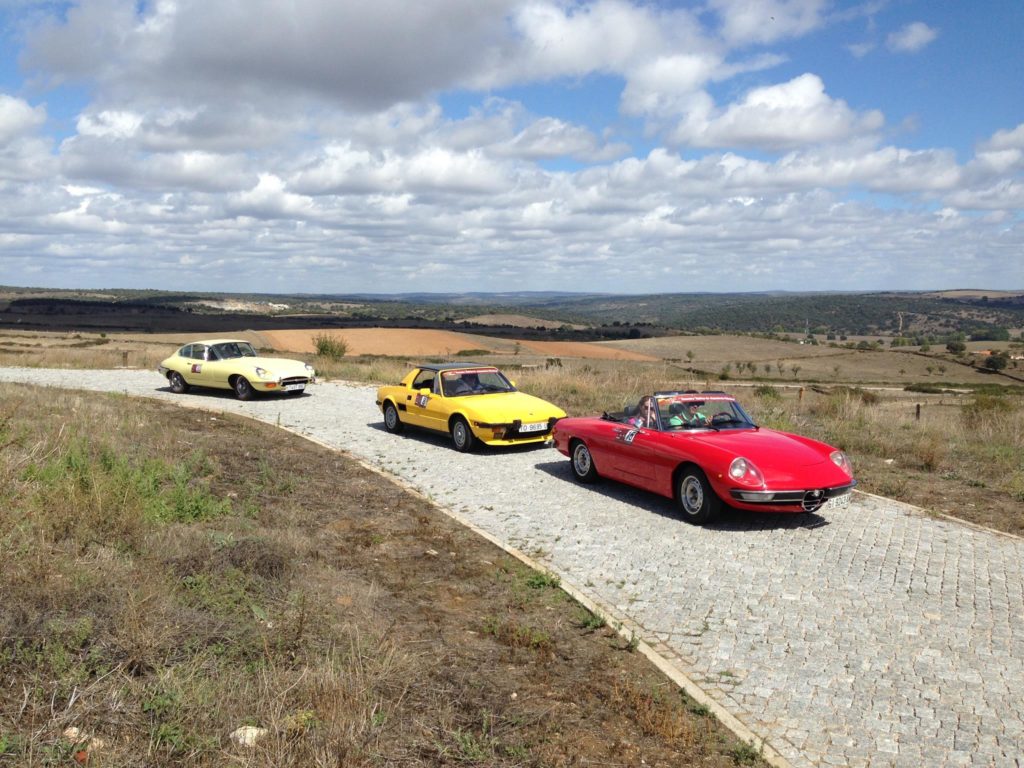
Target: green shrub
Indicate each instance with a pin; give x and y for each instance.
(329, 346)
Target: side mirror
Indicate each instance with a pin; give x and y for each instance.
(424, 391)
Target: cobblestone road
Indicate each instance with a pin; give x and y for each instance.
(872, 637)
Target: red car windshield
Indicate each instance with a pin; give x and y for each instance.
(676, 412)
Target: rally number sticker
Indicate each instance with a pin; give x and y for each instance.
(422, 400)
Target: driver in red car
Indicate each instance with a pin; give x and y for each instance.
(694, 417)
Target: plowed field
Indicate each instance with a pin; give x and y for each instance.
(416, 342)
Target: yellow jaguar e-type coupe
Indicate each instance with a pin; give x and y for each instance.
(470, 403)
(234, 364)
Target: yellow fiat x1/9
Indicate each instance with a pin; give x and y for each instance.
(469, 402)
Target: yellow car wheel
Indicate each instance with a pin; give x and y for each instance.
(178, 384)
(462, 435)
(243, 389)
(392, 423)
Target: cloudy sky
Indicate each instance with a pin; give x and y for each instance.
(329, 146)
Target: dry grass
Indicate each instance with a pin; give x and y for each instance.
(166, 580)
(83, 350)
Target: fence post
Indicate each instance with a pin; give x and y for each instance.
(801, 396)
(917, 412)
(124, 359)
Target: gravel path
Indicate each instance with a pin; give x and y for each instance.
(871, 637)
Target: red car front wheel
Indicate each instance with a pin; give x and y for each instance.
(696, 497)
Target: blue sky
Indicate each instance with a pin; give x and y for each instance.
(332, 146)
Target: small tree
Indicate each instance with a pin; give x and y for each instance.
(996, 362)
(956, 347)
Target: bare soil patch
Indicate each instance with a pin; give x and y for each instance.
(398, 342)
(417, 342)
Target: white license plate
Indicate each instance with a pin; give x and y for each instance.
(293, 387)
(838, 502)
(538, 426)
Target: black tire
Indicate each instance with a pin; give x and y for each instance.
(462, 436)
(243, 389)
(392, 423)
(583, 467)
(697, 499)
(178, 384)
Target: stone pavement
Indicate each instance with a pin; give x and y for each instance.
(875, 636)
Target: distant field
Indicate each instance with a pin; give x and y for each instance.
(518, 321)
(819, 363)
(416, 342)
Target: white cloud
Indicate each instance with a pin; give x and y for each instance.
(860, 50)
(667, 84)
(791, 114)
(109, 124)
(765, 21)
(1009, 139)
(269, 199)
(112, 161)
(18, 118)
(911, 38)
(550, 138)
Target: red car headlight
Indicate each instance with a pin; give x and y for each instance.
(743, 471)
(841, 460)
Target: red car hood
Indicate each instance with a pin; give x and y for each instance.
(783, 459)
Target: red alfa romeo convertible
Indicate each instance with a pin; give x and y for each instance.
(702, 449)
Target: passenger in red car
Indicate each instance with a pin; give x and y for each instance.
(646, 414)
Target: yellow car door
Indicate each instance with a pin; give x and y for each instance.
(418, 396)
(193, 360)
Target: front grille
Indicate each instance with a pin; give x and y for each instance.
(294, 380)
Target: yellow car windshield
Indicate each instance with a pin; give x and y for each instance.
(233, 349)
(481, 381)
